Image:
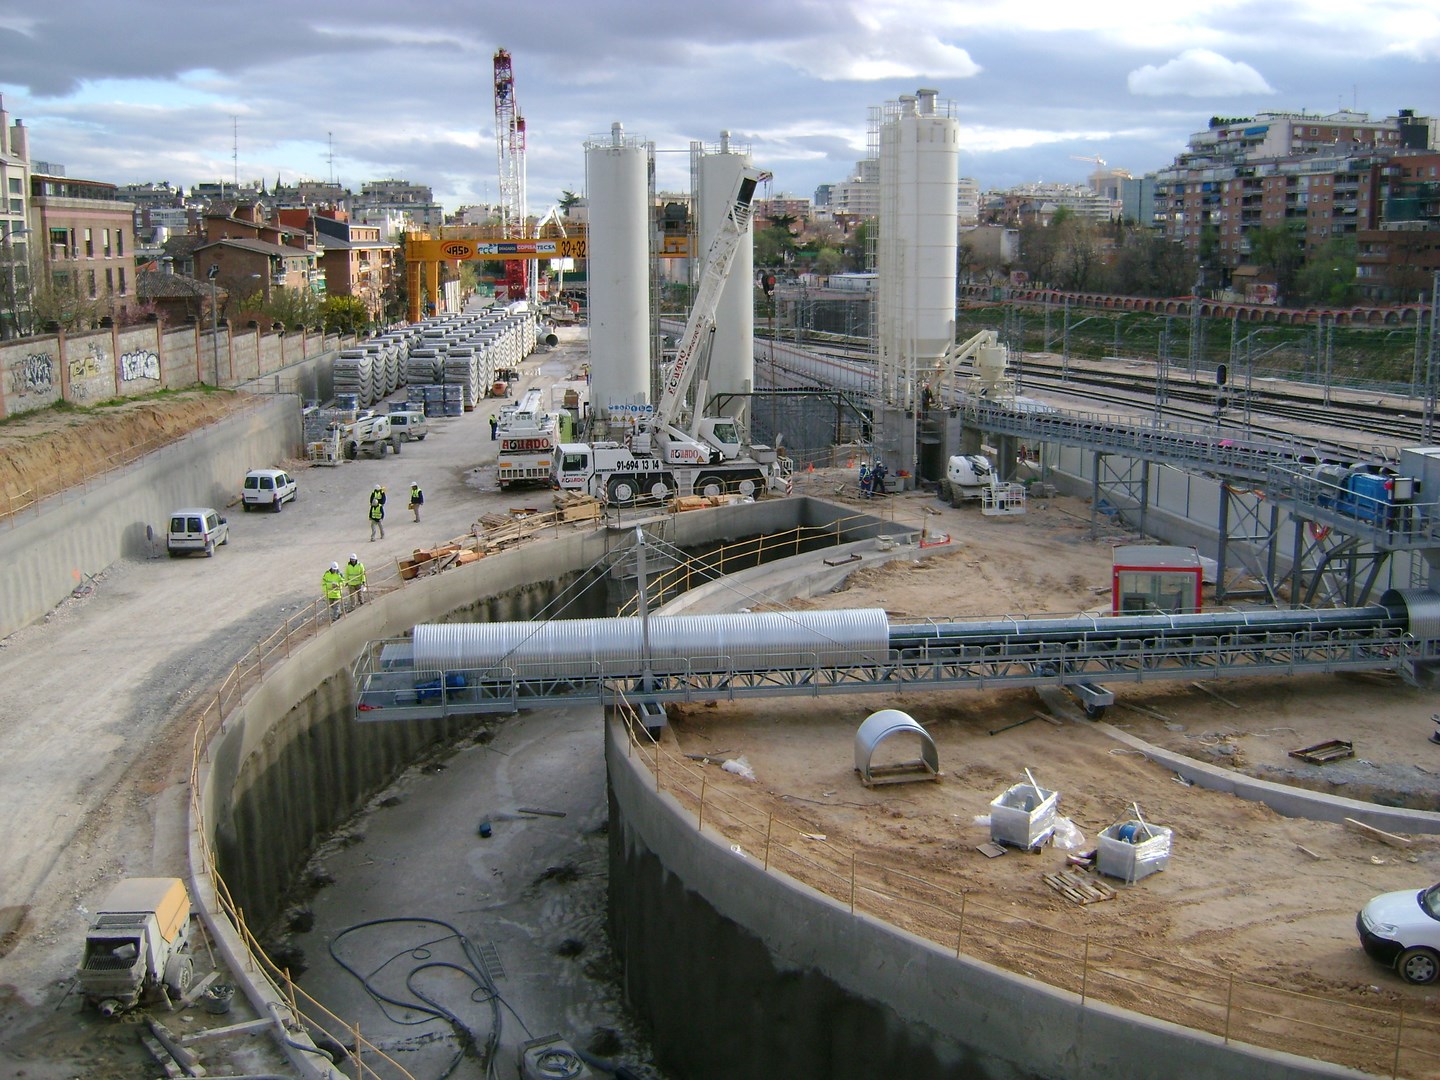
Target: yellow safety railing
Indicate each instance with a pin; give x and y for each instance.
(244, 676)
(1377, 1039)
(756, 551)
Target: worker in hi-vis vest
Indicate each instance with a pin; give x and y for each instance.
(354, 572)
(332, 584)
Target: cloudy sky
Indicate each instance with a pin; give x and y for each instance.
(198, 91)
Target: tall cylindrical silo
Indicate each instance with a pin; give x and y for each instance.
(919, 181)
(618, 271)
(732, 358)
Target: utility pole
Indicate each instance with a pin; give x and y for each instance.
(1429, 428)
(1195, 328)
(212, 274)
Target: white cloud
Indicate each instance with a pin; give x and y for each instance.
(885, 53)
(991, 140)
(1198, 73)
(20, 24)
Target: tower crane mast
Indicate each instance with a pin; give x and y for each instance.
(510, 159)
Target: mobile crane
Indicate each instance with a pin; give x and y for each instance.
(678, 450)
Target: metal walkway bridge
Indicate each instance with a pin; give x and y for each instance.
(1278, 518)
(457, 669)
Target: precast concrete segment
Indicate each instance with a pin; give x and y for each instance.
(581, 647)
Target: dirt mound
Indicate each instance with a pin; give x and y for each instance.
(50, 450)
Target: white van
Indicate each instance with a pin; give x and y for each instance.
(196, 528)
(409, 423)
(268, 487)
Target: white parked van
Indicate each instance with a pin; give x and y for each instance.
(409, 423)
(196, 528)
(268, 487)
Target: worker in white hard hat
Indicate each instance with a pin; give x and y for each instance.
(332, 584)
(417, 499)
(355, 580)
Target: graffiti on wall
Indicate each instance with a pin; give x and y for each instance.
(33, 374)
(139, 364)
(88, 365)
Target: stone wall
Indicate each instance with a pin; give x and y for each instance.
(97, 365)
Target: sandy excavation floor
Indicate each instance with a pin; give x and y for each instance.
(1238, 896)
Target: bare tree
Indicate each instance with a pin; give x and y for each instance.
(57, 297)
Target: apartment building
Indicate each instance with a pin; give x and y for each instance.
(415, 201)
(783, 206)
(356, 261)
(1324, 177)
(251, 255)
(15, 231)
(1030, 204)
(859, 196)
(87, 233)
(1397, 261)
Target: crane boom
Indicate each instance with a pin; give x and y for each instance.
(711, 457)
(696, 338)
(510, 159)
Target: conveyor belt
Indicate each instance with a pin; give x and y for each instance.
(1075, 651)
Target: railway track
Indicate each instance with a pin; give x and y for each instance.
(1374, 424)
(1389, 422)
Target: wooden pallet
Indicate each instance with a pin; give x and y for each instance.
(1079, 888)
(1320, 753)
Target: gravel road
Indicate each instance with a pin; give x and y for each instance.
(97, 699)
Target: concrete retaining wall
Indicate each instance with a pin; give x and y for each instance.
(82, 531)
(293, 763)
(741, 972)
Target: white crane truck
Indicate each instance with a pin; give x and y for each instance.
(678, 450)
(370, 434)
(528, 435)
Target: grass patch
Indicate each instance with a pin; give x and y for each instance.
(69, 408)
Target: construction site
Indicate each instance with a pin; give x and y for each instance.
(980, 735)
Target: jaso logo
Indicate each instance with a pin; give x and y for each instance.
(456, 251)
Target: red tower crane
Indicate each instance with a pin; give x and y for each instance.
(510, 157)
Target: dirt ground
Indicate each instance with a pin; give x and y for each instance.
(1239, 895)
(94, 702)
(42, 453)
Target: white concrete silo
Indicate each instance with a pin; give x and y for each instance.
(919, 140)
(618, 270)
(732, 360)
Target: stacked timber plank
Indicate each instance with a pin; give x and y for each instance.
(497, 532)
